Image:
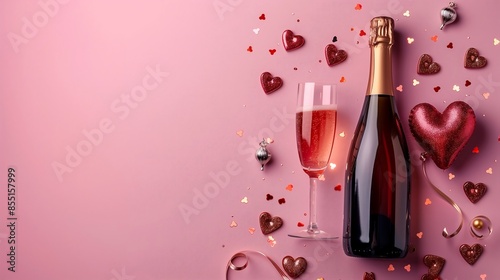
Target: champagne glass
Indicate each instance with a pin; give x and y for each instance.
(315, 121)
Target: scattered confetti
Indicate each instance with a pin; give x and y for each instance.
(239, 133)
(410, 40)
(295, 68)
(262, 17)
(299, 224)
(251, 230)
(400, 88)
(272, 51)
(436, 89)
(362, 33)
(256, 30)
(250, 49)
(415, 82)
(342, 134)
(486, 95)
(281, 201)
(420, 234)
(489, 170)
(456, 88)
(467, 83)
(332, 165)
(289, 187)
(451, 176)
(244, 200)
(269, 140)
(269, 197)
(408, 267)
(334, 39)
(271, 241)
(338, 188)
(233, 224)
(321, 278)
(475, 150)
(496, 41)
(450, 45)
(358, 7)
(342, 79)
(391, 268)
(434, 38)
(483, 276)
(427, 201)
(321, 177)
(406, 14)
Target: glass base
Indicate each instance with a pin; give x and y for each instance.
(313, 235)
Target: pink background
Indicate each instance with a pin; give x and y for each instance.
(162, 101)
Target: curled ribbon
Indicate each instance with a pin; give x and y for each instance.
(445, 233)
(243, 254)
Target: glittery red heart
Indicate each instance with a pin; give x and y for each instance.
(426, 66)
(428, 276)
(474, 192)
(292, 41)
(333, 55)
(471, 253)
(473, 59)
(435, 265)
(269, 83)
(294, 267)
(268, 223)
(369, 276)
(444, 135)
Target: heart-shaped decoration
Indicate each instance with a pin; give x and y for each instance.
(369, 276)
(292, 41)
(435, 265)
(426, 66)
(444, 135)
(333, 55)
(268, 223)
(270, 83)
(474, 192)
(473, 59)
(471, 253)
(294, 267)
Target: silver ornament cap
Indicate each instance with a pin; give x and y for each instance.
(262, 155)
(448, 15)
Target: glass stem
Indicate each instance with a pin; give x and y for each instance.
(313, 226)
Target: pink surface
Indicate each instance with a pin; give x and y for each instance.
(132, 127)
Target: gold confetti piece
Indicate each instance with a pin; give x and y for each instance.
(427, 201)
(496, 41)
(271, 241)
(489, 170)
(342, 134)
(400, 88)
(420, 234)
(391, 268)
(239, 133)
(456, 88)
(406, 14)
(451, 176)
(408, 267)
(410, 40)
(251, 230)
(321, 177)
(289, 187)
(486, 95)
(245, 200)
(332, 166)
(233, 224)
(415, 82)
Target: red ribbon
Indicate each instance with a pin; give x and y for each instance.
(243, 254)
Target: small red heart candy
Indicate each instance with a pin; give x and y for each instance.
(426, 66)
(334, 56)
(473, 59)
(294, 267)
(268, 223)
(474, 192)
(435, 265)
(269, 83)
(292, 41)
(471, 253)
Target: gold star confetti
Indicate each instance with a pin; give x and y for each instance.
(456, 88)
(233, 224)
(415, 82)
(489, 170)
(391, 268)
(427, 201)
(289, 187)
(400, 88)
(342, 134)
(420, 234)
(451, 176)
(239, 133)
(486, 95)
(406, 14)
(244, 200)
(251, 230)
(410, 40)
(496, 41)
(332, 165)
(408, 267)
(271, 241)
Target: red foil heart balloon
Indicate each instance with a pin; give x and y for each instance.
(292, 41)
(444, 135)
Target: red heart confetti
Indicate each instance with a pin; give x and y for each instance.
(334, 56)
(475, 150)
(362, 33)
(473, 60)
(342, 79)
(474, 192)
(334, 39)
(292, 41)
(262, 17)
(268, 223)
(434, 38)
(281, 201)
(450, 45)
(269, 197)
(436, 89)
(294, 267)
(471, 253)
(299, 224)
(426, 66)
(250, 49)
(467, 83)
(369, 276)
(289, 187)
(338, 188)
(358, 7)
(272, 51)
(269, 83)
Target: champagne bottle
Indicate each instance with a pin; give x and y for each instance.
(377, 185)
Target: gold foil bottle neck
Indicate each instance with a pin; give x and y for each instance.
(382, 31)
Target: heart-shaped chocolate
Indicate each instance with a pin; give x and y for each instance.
(426, 66)
(294, 267)
(268, 223)
(435, 265)
(474, 192)
(270, 83)
(428, 276)
(369, 276)
(471, 253)
(444, 135)
(292, 41)
(333, 55)
(473, 60)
